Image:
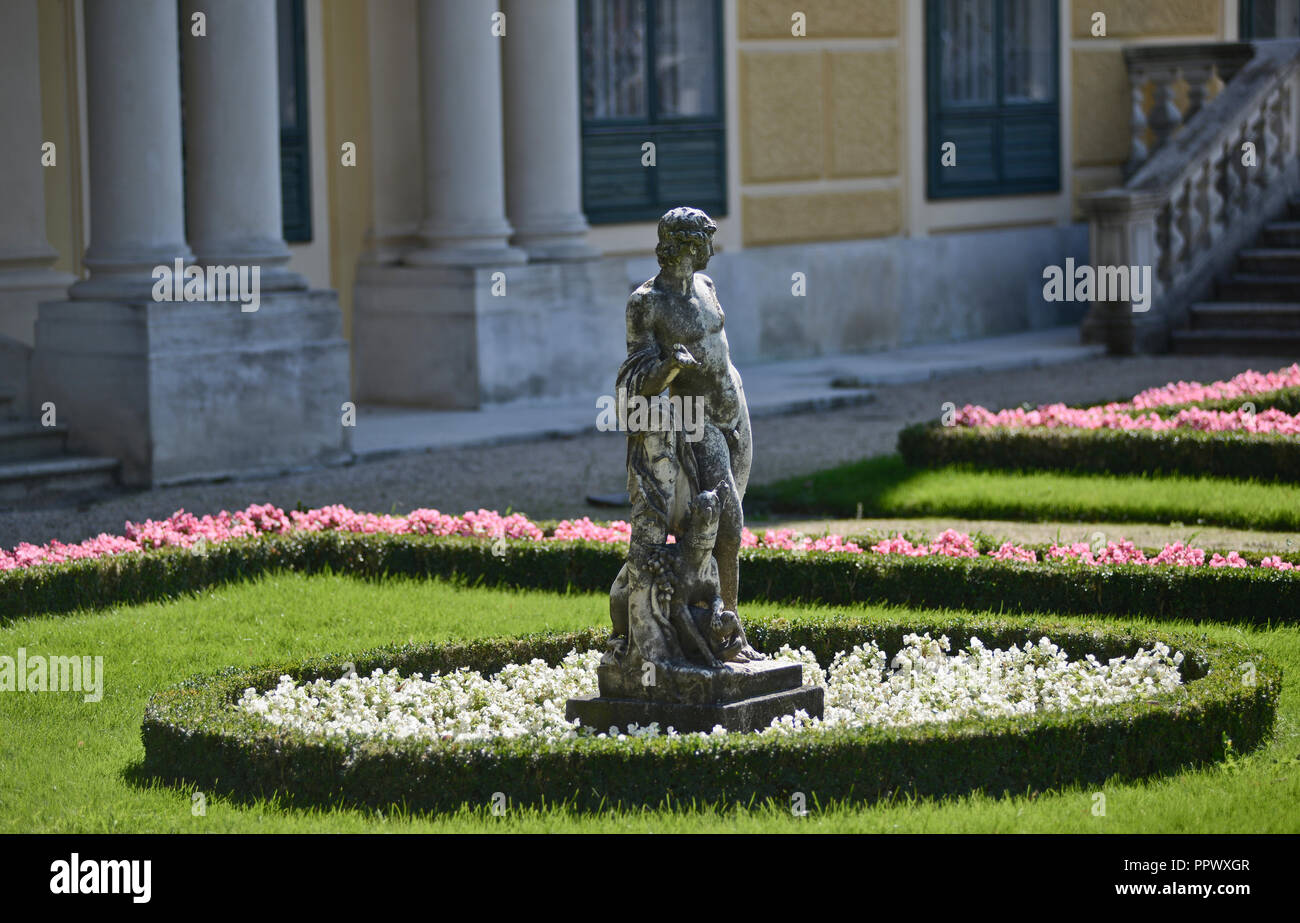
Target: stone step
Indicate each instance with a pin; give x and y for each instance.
(52, 477)
(1280, 234)
(1230, 315)
(1270, 261)
(1227, 341)
(26, 439)
(1246, 286)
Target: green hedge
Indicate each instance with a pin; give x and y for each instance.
(192, 735)
(1106, 451)
(1254, 595)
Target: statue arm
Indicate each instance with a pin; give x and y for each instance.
(647, 370)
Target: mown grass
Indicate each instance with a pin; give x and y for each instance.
(886, 487)
(67, 765)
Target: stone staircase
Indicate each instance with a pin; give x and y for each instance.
(1220, 230)
(1256, 309)
(35, 466)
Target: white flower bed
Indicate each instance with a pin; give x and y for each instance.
(923, 683)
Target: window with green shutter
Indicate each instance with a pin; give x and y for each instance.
(992, 92)
(295, 155)
(651, 71)
(1269, 19)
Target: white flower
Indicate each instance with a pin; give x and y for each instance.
(925, 683)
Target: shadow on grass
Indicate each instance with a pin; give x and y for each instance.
(835, 492)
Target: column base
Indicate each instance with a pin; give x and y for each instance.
(466, 256)
(556, 250)
(457, 337)
(191, 391)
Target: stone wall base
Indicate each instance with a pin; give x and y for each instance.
(461, 338)
(453, 337)
(198, 391)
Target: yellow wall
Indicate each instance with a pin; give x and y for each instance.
(819, 120)
(61, 123)
(347, 118)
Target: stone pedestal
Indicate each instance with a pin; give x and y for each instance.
(739, 697)
(197, 390)
(447, 337)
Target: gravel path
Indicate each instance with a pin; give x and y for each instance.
(550, 478)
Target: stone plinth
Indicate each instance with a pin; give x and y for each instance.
(189, 390)
(739, 697)
(452, 337)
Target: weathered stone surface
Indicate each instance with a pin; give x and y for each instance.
(197, 389)
(750, 714)
(461, 337)
(700, 685)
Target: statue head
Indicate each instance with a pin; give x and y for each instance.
(683, 232)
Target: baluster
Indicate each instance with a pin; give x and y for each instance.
(1164, 117)
(1197, 76)
(1137, 148)
(1167, 242)
(1229, 180)
(1190, 225)
(1259, 174)
(1211, 203)
(1277, 135)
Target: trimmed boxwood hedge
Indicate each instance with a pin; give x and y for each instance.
(192, 735)
(1254, 595)
(1237, 455)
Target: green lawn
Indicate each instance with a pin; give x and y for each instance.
(886, 487)
(65, 764)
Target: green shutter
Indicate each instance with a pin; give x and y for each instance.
(690, 158)
(295, 151)
(1002, 149)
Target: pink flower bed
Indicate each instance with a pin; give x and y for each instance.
(1058, 416)
(1246, 384)
(1112, 416)
(185, 530)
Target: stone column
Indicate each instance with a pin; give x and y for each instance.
(137, 209)
(460, 76)
(232, 139)
(26, 256)
(542, 130)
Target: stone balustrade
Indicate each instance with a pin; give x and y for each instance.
(1153, 74)
(1215, 174)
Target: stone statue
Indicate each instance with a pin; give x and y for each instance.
(678, 654)
(676, 341)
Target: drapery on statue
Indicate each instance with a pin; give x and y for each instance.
(675, 604)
